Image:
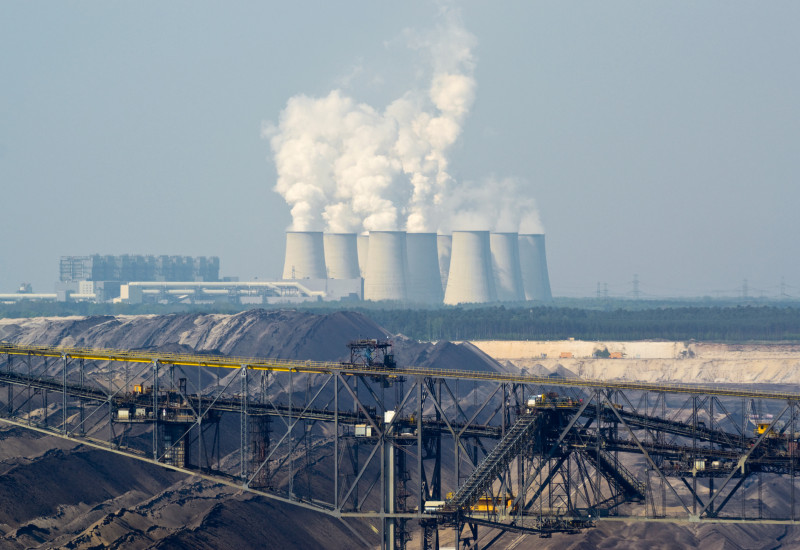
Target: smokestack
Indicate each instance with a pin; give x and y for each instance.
(444, 244)
(506, 267)
(535, 279)
(341, 255)
(363, 253)
(470, 279)
(387, 266)
(424, 280)
(305, 256)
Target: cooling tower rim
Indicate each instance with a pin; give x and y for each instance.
(472, 231)
(304, 232)
(531, 234)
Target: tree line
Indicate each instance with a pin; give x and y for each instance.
(730, 323)
(717, 324)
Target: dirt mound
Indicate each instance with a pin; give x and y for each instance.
(62, 478)
(230, 525)
(57, 493)
(253, 333)
(446, 355)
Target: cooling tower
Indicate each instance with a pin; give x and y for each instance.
(341, 255)
(470, 279)
(535, 279)
(444, 243)
(363, 252)
(386, 266)
(506, 267)
(424, 282)
(305, 257)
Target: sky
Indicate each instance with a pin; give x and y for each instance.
(651, 141)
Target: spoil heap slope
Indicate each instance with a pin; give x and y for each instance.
(83, 498)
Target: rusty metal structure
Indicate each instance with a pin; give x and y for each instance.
(436, 454)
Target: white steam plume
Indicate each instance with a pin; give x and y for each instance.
(344, 166)
(500, 205)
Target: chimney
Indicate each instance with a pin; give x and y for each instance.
(506, 267)
(341, 255)
(533, 259)
(363, 253)
(386, 266)
(470, 279)
(305, 257)
(424, 280)
(444, 243)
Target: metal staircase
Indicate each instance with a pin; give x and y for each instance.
(613, 470)
(494, 463)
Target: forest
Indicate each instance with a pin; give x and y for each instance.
(711, 324)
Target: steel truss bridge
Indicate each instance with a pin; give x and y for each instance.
(442, 453)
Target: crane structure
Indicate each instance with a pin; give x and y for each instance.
(433, 453)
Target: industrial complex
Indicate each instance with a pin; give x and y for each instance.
(416, 268)
(426, 268)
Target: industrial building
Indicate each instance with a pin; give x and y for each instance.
(408, 268)
(99, 277)
(239, 292)
(182, 279)
(138, 268)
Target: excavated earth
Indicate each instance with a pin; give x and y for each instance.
(57, 494)
(764, 366)
(54, 493)
(697, 362)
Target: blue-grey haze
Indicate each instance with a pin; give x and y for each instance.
(659, 139)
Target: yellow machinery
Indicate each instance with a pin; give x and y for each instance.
(762, 427)
(494, 505)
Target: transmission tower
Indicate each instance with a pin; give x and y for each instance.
(636, 293)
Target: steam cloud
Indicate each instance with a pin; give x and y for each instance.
(500, 205)
(346, 167)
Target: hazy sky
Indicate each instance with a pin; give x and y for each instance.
(658, 139)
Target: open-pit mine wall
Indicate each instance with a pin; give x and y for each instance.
(653, 361)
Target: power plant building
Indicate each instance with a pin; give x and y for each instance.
(471, 280)
(305, 256)
(506, 267)
(424, 278)
(444, 244)
(533, 259)
(99, 277)
(423, 268)
(138, 268)
(341, 255)
(387, 267)
(363, 253)
(467, 267)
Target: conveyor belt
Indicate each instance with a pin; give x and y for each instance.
(205, 403)
(285, 365)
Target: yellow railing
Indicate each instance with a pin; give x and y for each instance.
(309, 366)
